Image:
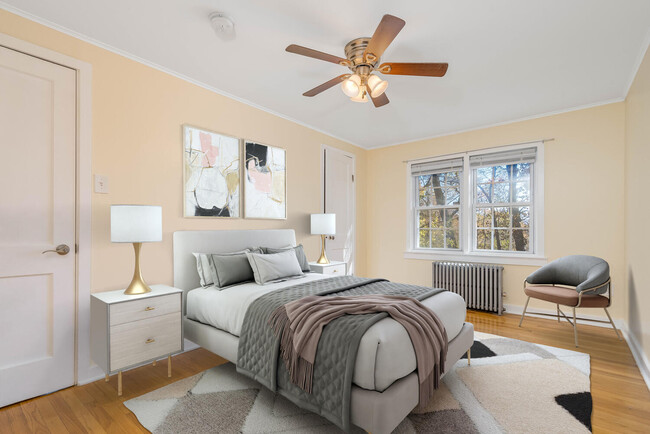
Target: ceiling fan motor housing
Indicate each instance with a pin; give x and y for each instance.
(359, 63)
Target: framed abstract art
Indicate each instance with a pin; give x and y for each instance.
(265, 181)
(211, 174)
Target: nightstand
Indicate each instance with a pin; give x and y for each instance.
(131, 330)
(334, 267)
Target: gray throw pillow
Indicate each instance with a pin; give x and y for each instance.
(230, 269)
(300, 255)
(274, 266)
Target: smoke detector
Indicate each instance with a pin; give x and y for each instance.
(223, 26)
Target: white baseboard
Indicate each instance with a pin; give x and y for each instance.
(517, 310)
(639, 355)
(95, 373)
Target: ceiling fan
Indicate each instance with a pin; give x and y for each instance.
(363, 58)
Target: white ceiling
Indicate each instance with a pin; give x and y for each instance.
(508, 59)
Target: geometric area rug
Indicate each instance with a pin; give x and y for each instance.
(511, 386)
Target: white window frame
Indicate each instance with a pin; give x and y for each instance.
(414, 210)
(467, 253)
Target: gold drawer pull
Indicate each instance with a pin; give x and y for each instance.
(149, 308)
(335, 271)
(150, 341)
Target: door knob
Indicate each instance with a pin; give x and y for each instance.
(61, 249)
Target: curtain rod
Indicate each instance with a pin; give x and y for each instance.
(500, 146)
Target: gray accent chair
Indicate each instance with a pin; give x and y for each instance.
(573, 281)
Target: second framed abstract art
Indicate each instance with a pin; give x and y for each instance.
(265, 181)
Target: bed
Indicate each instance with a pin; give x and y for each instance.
(385, 386)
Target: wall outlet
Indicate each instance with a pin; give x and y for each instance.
(101, 184)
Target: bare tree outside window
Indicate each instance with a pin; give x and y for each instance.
(438, 210)
(502, 205)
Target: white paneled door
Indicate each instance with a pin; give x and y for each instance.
(340, 199)
(37, 213)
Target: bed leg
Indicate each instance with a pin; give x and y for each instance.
(469, 357)
(169, 366)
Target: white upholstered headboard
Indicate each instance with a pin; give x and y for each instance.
(187, 242)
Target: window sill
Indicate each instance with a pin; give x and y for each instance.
(535, 260)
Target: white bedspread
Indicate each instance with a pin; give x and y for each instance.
(225, 309)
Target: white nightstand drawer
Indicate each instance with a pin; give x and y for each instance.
(139, 341)
(334, 269)
(149, 307)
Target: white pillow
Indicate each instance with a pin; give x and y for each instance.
(274, 266)
(203, 266)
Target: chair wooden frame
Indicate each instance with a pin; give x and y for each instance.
(574, 323)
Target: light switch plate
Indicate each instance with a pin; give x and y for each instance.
(101, 184)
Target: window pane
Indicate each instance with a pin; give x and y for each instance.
(437, 216)
(437, 196)
(451, 218)
(501, 239)
(501, 193)
(483, 193)
(522, 192)
(521, 171)
(437, 239)
(423, 240)
(437, 180)
(452, 195)
(521, 217)
(483, 239)
(484, 217)
(423, 196)
(501, 217)
(425, 218)
(520, 240)
(501, 173)
(452, 179)
(483, 174)
(452, 239)
(424, 181)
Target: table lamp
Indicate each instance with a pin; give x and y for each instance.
(323, 224)
(136, 224)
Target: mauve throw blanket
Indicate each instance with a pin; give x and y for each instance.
(299, 325)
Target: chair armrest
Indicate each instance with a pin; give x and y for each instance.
(597, 275)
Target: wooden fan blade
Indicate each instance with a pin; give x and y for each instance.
(386, 31)
(423, 69)
(323, 87)
(304, 51)
(381, 100)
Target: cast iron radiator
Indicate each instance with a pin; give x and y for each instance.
(481, 285)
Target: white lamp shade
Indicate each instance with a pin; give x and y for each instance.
(136, 223)
(323, 224)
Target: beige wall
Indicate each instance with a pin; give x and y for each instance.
(584, 202)
(137, 113)
(637, 205)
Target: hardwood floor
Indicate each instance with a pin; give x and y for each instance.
(621, 399)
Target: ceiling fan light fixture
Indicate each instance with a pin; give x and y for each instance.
(351, 85)
(376, 85)
(361, 96)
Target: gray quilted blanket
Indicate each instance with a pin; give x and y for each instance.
(259, 348)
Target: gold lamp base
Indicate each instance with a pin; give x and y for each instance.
(323, 256)
(138, 285)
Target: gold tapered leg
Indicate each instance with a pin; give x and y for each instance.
(119, 383)
(169, 366)
(106, 379)
(154, 363)
(469, 357)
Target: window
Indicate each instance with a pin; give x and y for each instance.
(478, 204)
(437, 205)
